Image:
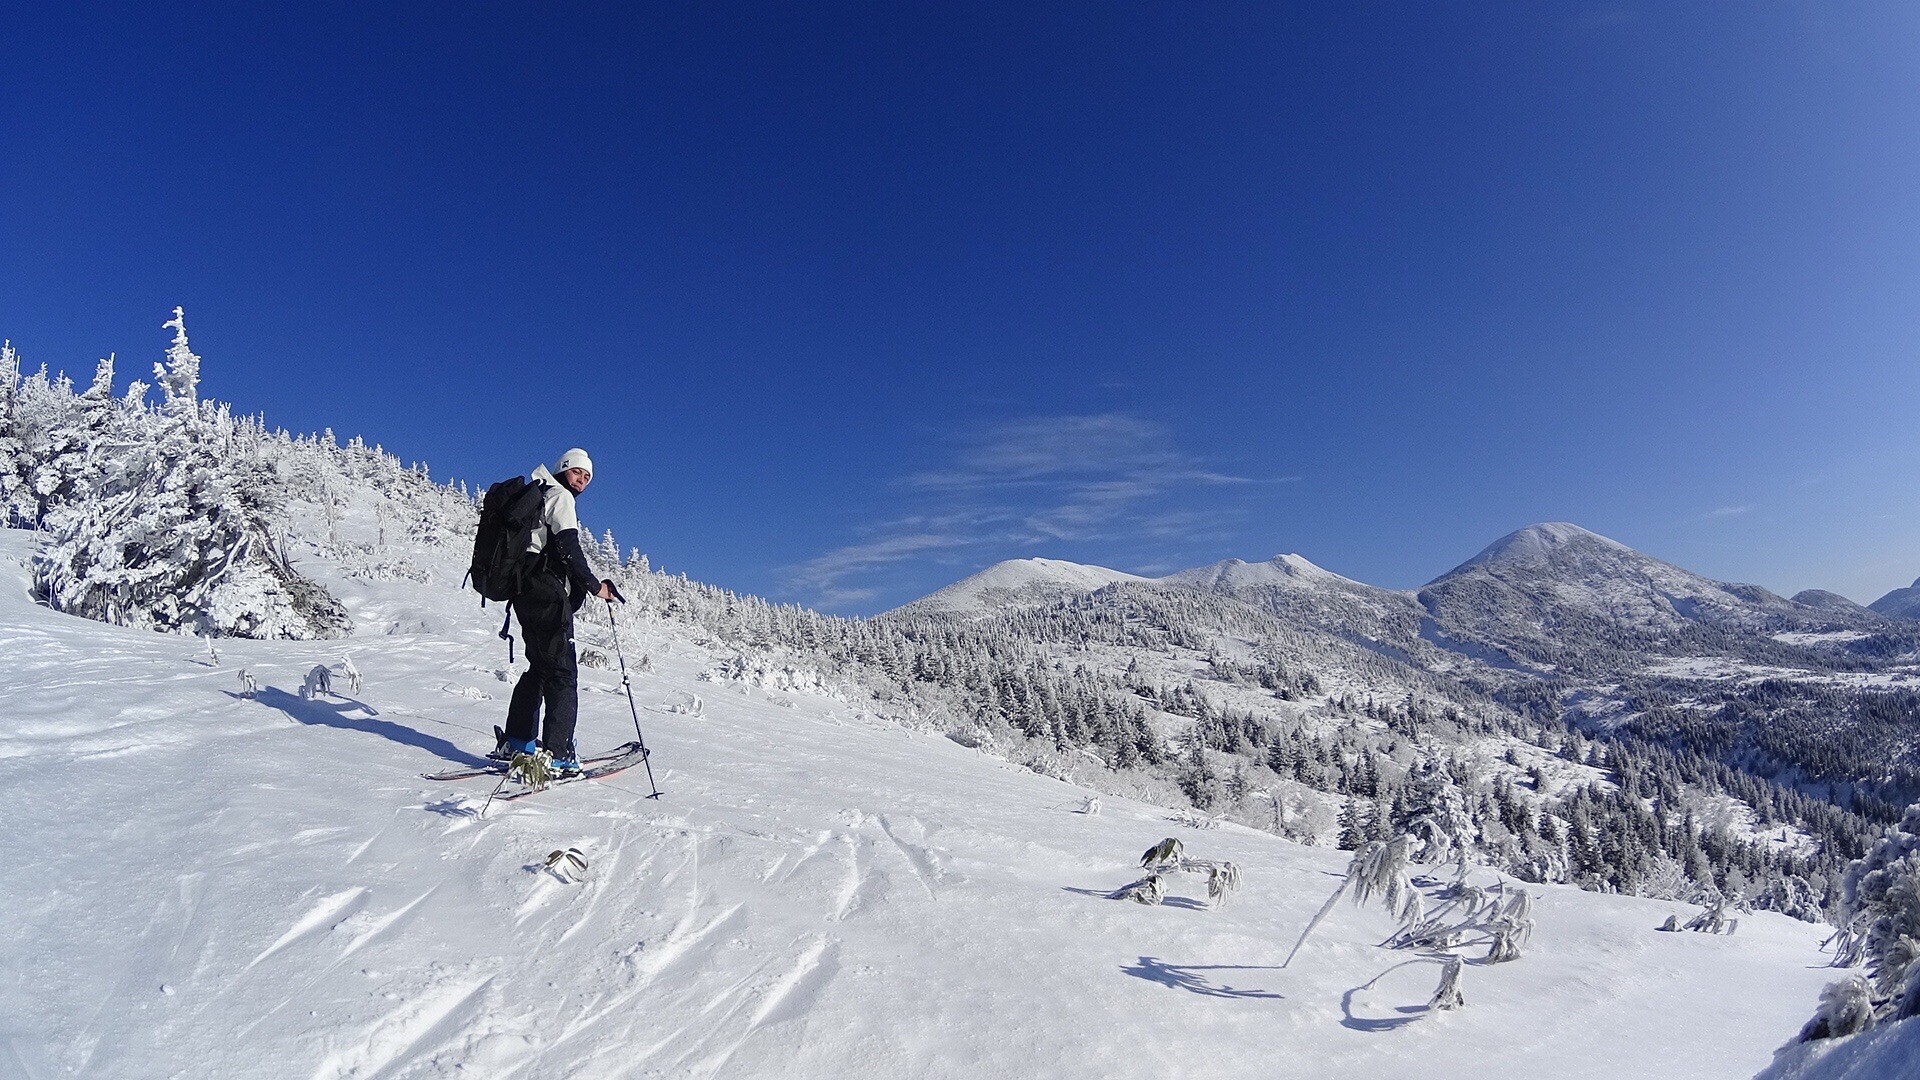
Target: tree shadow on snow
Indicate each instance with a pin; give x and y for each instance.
(1408, 1014)
(334, 713)
(1188, 977)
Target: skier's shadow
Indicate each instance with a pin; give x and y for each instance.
(1188, 977)
(335, 713)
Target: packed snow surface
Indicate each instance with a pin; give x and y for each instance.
(203, 883)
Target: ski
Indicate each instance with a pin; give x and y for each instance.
(496, 768)
(619, 760)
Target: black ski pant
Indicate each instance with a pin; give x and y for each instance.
(552, 677)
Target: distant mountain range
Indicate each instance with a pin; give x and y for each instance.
(1549, 598)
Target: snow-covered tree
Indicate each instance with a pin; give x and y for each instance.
(179, 376)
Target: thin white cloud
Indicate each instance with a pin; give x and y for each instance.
(1012, 485)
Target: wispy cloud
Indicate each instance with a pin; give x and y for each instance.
(1010, 486)
(1725, 512)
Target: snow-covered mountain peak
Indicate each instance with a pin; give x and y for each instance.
(1013, 584)
(1545, 542)
(1900, 603)
(1240, 574)
(1823, 600)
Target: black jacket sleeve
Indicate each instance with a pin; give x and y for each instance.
(579, 573)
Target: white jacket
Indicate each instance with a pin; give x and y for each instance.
(557, 514)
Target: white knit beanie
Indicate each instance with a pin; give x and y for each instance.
(575, 458)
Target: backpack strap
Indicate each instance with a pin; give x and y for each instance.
(505, 633)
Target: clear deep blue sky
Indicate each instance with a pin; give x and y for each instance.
(850, 300)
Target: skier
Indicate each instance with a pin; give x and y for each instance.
(558, 580)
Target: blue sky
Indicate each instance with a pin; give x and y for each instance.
(850, 300)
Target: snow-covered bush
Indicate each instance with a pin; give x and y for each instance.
(1715, 917)
(319, 681)
(1169, 857)
(1447, 995)
(1846, 1008)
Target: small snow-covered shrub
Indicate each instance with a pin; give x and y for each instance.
(1715, 918)
(1169, 857)
(1846, 1008)
(1163, 854)
(1148, 890)
(568, 865)
(319, 681)
(1447, 995)
(684, 703)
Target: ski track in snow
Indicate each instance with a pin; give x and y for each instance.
(819, 895)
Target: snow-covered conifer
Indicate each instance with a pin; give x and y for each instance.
(179, 376)
(1846, 1008)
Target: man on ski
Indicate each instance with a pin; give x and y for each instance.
(558, 580)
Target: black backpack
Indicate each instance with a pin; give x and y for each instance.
(508, 515)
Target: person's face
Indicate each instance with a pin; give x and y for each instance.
(576, 480)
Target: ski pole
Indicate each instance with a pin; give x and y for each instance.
(646, 757)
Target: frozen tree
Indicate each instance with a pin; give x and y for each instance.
(1846, 1008)
(249, 686)
(1447, 995)
(1379, 868)
(1882, 891)
(1162, 855)
(319, 681)
(1714, 918)
(179, 376)
(1148, 890)
(1435, 813)
(352, 673)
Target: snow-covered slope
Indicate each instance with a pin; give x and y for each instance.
(1900, 603)
(1012, 585)
(206, 884)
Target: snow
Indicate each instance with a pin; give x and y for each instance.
(1013, 584)
(207, 884)
(1889, 1052)
(1829, 637)
(1281, 570)
(1723, 669)
(1535, 545)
